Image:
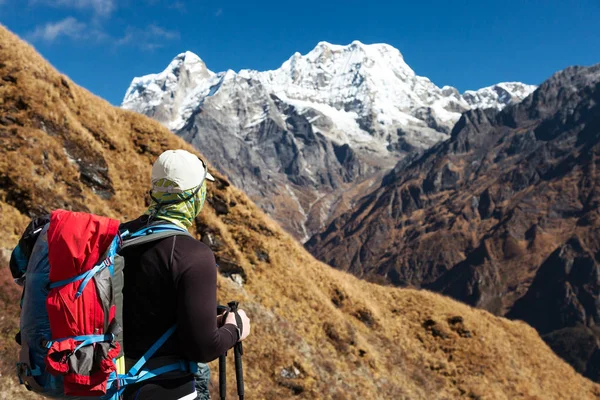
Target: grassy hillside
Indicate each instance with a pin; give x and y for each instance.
(317, 332)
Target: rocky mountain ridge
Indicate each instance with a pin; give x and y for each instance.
(503, 215)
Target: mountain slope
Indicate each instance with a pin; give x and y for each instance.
(296, 138)
(317, 332)
(503, 215)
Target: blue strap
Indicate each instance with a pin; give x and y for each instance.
(137, 374)
(155, 229)
(109, 337)
(67, 281)
(114, 246)
(142, 361)
(145, 374)
(87, 275)
(119, 383)
(90, 274)
(107, 262)
(85, 337)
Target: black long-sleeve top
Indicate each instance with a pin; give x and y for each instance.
(167, 282)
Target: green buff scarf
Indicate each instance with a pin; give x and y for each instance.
(182, 213)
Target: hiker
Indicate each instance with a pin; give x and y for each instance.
(174, 281)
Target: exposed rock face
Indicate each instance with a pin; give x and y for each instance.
(297, 138)
(503, 215)
(564, 291)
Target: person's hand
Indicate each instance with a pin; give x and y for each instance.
(245, 329)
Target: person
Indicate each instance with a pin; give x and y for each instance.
(174, 281)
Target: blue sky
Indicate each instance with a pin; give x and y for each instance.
(103, 44)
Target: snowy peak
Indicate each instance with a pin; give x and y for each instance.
(171, 96)
(499, 95)
(189, 63)
(334, 74)
(184, 66)
(380, 53)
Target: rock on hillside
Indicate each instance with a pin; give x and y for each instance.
(62, 147)
(296, 138)
(503, 215)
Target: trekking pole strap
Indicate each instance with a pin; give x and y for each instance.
(233, 306)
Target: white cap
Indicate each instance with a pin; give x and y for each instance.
(181, 167)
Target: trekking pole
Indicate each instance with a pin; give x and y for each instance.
(223, 376)
(238, 351)
(223, 360)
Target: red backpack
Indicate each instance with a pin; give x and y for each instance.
(71, 311)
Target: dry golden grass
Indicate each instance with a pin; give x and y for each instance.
(349, 339)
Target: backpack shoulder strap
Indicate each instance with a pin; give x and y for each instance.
(152, 233)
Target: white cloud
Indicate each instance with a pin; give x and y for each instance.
(150, 38)
(158, 32)
(179, 6)
(100, 7)
(69, 27)
(169, 4)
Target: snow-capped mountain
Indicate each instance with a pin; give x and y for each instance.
(498, 96)
(294, 138)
